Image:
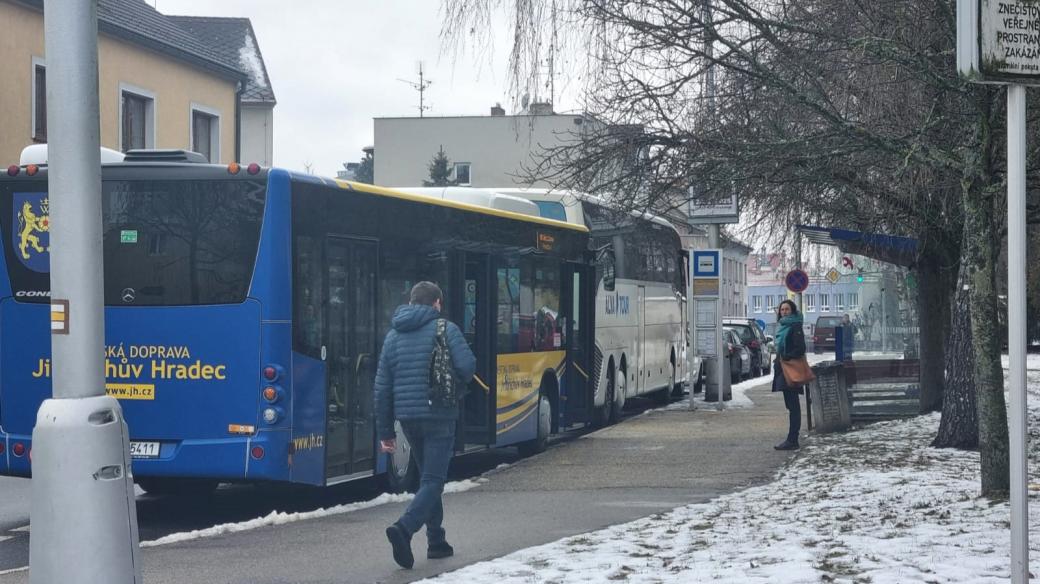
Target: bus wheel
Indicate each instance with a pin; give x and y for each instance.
(603, 413)
(620, 382)
(172, 487)
(677, 386)
(663, 397)
(402, 474)
(541, 441)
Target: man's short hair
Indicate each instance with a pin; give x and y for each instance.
(425, 293)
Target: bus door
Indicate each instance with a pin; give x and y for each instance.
(478, 326)
(641, 369)
(350, 338)
(578, 304)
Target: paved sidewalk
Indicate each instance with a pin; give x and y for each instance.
(647, 464)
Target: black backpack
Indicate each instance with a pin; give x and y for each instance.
(445, 389)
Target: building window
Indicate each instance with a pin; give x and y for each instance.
(769, 303)
(756, 303)
(205, 132)
(810, 303)
(462, 173)
(39, 101)
(853, 300)
(137, 122)
(839, 302)
(825, 302)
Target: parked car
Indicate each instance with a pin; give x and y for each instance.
(823, 334)
(739, 356)
(755, 340)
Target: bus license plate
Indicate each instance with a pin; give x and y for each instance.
(144, 450)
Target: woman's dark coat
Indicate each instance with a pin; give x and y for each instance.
(794, 348)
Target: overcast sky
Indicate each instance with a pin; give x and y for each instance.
(334, 65)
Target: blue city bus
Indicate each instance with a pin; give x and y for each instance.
(245, 309)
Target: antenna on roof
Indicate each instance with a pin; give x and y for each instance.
(420, 86)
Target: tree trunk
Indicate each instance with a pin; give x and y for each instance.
(959, 427)
(933, 303)
(982, 242)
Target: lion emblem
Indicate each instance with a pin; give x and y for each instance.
(29, 223)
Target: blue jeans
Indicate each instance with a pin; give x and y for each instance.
(433, 443)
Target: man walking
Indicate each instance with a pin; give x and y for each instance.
(403, 392)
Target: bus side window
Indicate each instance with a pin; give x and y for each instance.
(607, 265)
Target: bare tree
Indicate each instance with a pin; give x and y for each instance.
(840, 112)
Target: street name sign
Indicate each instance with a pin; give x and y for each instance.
(998, 41)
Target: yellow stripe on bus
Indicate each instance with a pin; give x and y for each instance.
(374, 190)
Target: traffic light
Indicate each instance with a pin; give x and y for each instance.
(859, 276)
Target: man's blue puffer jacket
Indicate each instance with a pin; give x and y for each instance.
(403, 379)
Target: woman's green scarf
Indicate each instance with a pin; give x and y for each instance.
(787, 324)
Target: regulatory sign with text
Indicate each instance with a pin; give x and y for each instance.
(998, 41)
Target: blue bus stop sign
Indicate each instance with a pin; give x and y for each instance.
(797, 281)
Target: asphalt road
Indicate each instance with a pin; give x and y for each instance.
(648, 463)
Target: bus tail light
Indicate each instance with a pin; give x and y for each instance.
(257, 452)
(19, 449)
(272, 393)
(271, 372)
(272, 415)
(253, 168)
(32, 169)
(12, 170)
(234, 168)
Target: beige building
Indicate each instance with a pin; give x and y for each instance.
(161, 85)
(485, 151)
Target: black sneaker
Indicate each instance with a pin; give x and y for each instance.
(787, 445)
(402, 544)
(440, 550)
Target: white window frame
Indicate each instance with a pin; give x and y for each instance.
(36, 62)
(455, 172)
(839, 301)
(769, 303)
(150, 135)
(756, 303)
(810, 302)
(825, 302)
(214, 129)
(853, 300)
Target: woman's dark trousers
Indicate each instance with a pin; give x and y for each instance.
(794, 410)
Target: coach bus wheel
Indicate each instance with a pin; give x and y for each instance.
(677, 386)
(171, 487)
(617, 395)
(541, 442)
(603, 413)
(402, 474)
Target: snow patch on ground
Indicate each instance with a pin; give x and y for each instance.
(280, 518)
(873, 505)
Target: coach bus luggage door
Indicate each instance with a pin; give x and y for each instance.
(477, 301)
(578, 306)
(350, 333)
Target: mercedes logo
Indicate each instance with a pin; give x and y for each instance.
(129, 295)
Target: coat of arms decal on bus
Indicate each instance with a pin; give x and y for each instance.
(32, 230)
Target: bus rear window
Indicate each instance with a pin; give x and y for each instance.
(166, 242)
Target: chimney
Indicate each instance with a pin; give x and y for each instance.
(541, 108)
(498, 110)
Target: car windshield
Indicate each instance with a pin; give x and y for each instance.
(744, 332)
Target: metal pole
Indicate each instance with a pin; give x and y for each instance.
(84, 521)
(1016, 132)
(714, 242)
(798, 264)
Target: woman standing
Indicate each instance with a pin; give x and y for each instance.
(790, 344)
